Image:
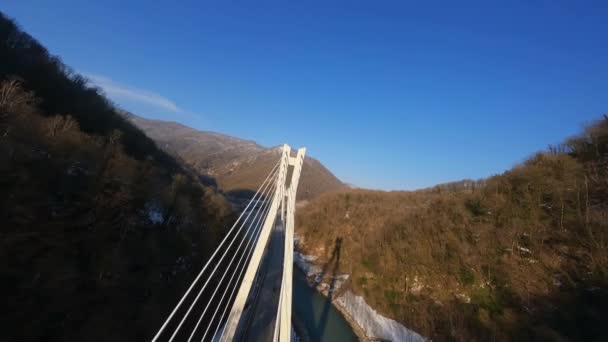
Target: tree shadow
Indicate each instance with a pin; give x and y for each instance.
(245, 194)
(207, 180)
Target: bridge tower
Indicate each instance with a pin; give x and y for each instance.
(281, 213)
(268, 217)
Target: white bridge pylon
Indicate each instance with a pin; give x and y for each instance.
(282, 208)
(229, 283)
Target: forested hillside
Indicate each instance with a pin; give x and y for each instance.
(518, 256)
(101, 230)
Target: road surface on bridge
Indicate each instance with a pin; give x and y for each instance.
(263, 314)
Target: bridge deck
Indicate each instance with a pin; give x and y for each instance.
(263, 313)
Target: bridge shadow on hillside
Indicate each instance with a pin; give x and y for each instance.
(332, 266)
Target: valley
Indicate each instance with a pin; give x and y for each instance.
(109, 219)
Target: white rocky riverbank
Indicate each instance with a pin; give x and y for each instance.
(369, 321)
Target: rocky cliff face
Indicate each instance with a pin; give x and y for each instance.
(361, 316)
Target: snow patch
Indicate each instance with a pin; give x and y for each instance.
(154, 213)
(463, 297)
(304, 262)
(524, 250)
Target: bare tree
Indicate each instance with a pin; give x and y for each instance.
(13, 98)
(60, 124)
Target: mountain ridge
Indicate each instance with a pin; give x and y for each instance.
(234, 164)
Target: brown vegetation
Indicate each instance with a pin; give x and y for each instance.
(101, 230)
(518, 256)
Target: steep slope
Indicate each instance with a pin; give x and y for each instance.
(102, 231)
(235, 164)
(518, 256)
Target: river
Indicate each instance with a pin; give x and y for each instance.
(315, 314)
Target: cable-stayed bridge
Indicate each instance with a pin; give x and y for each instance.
(244, 290)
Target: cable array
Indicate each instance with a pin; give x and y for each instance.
(245, 232)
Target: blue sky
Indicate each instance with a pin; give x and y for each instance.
(389, 95)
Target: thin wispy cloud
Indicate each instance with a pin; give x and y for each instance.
(120, 91)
